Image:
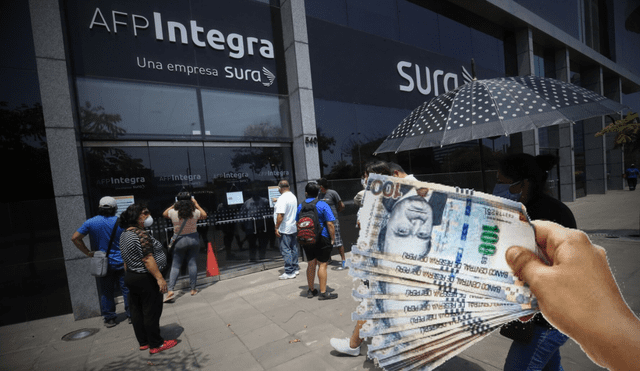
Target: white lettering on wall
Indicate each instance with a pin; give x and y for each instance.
(238, 45)
(414, 78)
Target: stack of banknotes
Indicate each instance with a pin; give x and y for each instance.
(433, 279)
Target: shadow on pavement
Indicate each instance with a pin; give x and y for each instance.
(171, 331)
(457, 364)
(170, 361)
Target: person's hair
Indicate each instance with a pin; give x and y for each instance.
(521, 166)
(129, 217)
(312, 190)
(107, 210)
(185, 208)
(378, 167)
(396, 167)
(324, 183)
(184, 196)
(283, 184)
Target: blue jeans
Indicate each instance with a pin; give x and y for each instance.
(289, 251)
(541, 354)
(187, 245)
(107, 288)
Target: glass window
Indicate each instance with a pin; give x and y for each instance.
(110, 109)
(245, 116)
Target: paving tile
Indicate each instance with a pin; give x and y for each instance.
(278, 352)
(265, 299)
(20, 360)
(491, 350)
(216, 352)
(307, 362)
(244, 362)
(243, 325)
(293, 319)
(208, 322)
(263, 335)
(210, 336)
(74, 363)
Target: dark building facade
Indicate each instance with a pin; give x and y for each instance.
(140, 100)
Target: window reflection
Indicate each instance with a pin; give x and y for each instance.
(112, 108)
(230, 183)
(245, 115)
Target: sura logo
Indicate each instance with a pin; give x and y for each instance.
(238, 45)
(249, 74)
(413, 77)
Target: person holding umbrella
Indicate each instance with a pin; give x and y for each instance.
(522, 177)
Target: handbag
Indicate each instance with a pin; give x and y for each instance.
(171, 246)
(518, 331)
(99, 263)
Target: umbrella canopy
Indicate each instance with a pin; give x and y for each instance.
(495, 107)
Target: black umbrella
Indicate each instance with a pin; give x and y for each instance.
(496, 107)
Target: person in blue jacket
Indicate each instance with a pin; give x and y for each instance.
(100, 228)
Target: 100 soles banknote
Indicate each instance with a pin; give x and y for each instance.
(446, 227)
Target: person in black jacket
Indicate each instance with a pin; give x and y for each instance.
(522, 177)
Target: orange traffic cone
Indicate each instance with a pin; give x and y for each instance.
(212, 262)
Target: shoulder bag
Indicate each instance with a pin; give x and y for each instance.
(519, 331)
(99, 263)
(171, 247)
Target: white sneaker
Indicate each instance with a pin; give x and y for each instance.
(342, 346)
(296, 273)
(285, 276)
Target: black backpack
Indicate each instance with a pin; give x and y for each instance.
(308, 224)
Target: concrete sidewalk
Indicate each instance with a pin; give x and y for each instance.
(257, 322)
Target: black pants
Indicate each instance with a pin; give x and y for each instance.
(145, 303)
(632, 183)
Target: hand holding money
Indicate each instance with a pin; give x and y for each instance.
(434, 257)
(580, 278)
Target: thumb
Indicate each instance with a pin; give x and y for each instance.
(524, 263)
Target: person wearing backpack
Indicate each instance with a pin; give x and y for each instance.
(316, 235)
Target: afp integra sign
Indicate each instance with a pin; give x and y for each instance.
(235, 45)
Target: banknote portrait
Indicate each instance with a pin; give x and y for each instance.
(410, 221)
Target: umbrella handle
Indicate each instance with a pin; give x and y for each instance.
(473, 69)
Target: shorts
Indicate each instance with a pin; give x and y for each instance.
(321, 251)
(338, 242)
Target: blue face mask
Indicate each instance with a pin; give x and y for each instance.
(502, 190)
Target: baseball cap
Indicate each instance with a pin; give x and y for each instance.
(108, 202)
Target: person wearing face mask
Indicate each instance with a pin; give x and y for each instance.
(144, 260)
(522, 177)
(105, 235)
(184, 215)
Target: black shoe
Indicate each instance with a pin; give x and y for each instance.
(110, 323)
(311, 293)
(129, 320)
(327, 296)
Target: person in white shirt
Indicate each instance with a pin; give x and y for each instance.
(285, 218)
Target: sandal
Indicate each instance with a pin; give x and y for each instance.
(193, 292)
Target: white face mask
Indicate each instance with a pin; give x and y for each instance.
(363, 181)
(148, 222)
